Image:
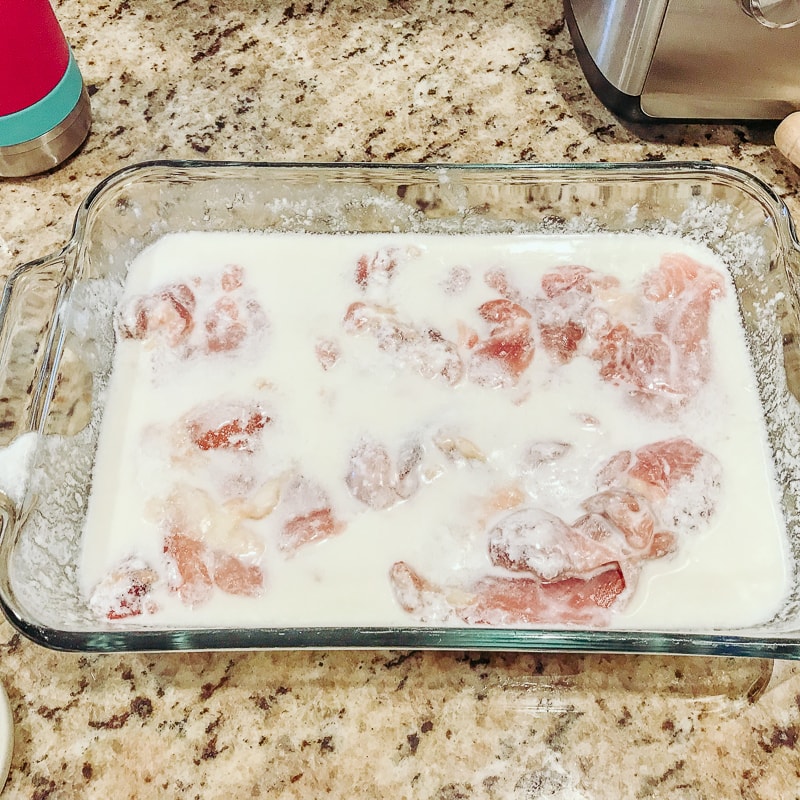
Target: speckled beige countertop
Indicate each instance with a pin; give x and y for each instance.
(342, 80)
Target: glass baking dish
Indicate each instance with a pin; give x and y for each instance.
(54, 357)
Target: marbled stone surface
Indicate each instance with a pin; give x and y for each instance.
(398, 81)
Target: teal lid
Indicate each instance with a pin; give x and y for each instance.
(44, 115)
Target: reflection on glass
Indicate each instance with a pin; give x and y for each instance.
(774, 13)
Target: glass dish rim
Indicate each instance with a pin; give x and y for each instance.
(413, 637)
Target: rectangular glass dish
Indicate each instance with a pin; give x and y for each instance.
(57, 344)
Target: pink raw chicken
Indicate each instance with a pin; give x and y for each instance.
(509, 601)
(502, 357)
(214, 314)
(683, 290)
(312, 526)
(424, 350)
(679, 275)
(570, 308)
(234, 316)
(377, 480)
(666, 352)
(227, 425)
(575, 573)
(126, 591)
(658, 468)
(165, 315)
(628, 511)
(663, 465)
(379, 267)
(498, 280)
(196, 569)
(680, 480)
(308, 516)
(645, 363)
(534, 541)
(618, 532)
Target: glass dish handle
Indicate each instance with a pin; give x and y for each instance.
(29, 341)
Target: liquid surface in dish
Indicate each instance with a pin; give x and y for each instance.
(316, 430)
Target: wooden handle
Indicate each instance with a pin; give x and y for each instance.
(787, 138)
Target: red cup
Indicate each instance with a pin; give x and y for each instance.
(44, 107)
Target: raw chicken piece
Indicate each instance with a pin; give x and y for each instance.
(570, 309)
(561, 340)
(224, 327)
(502, 357)
(504, 601)
(253, 499)
(374, 478)
(662, 465)
(304, 529)
(189, 572)
(498, 280)
(603, 530)
(501, 498)
(377, 268)
(534, 541)
(234, 316)
(456, 280)
(509, 601)
(193, 512)
(682, 290)
(227, 425)
(681, 481)
(238, 577)
(214, 314)
(644, 364)
(662, 544)
(575, 279)
(628, 511)
(539, 453)
(419, 597)
(426, 351)
(328, 353)
(194, 570)
(308, 516)
(165, 315)
(206, 545)
(457, 448)
(232, 277)
(661, 353)
(610, 472)
(678, 274)
(126, 591)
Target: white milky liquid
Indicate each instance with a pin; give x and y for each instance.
(731, 573)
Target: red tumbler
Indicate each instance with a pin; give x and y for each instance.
(44, 107)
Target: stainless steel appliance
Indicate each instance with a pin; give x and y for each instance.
(690, 60)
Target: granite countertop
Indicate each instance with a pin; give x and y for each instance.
(341, 80)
